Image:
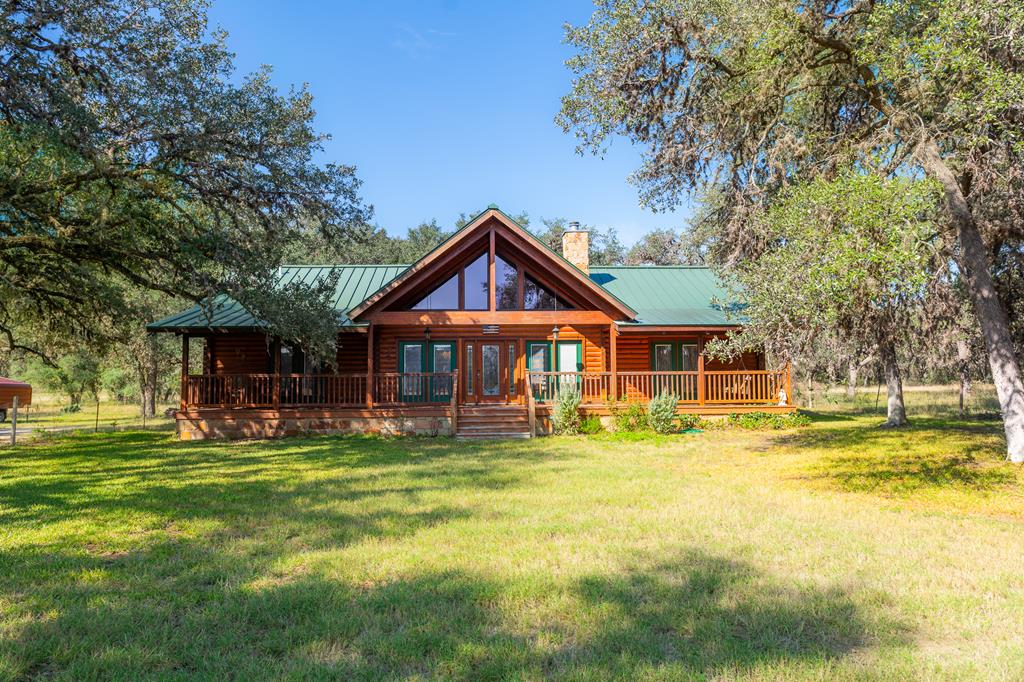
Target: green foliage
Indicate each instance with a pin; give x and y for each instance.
(849, 256)
(632, 417)
(690, 421)
(753, 421)
(565, 416)
(658, 247)
(75, 375)
(591, 425)
(132, 156)
(73, 408)
(661, 412)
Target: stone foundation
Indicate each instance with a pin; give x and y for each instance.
(203, 428)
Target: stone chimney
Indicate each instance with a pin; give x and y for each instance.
(576, 246)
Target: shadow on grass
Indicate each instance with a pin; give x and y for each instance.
(183, 609)
(103, 475)
(244, 598)
(929, 454)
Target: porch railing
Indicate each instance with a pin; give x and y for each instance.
(257, 390)
(403, 388)
(317, 390)
(742, 387)
(642, 386)
(229, 390)
(593, 386)
(736, 387)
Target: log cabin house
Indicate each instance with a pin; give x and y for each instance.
(474, 339)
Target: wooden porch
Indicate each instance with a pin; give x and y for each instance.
(730, 388)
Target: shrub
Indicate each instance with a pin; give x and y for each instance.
(591, 425)
(565, 417)
(71, 409)
(632, 418)
(661, 412)
(690, 421)
(767, 420)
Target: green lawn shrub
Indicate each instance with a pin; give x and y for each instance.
(591, 425)
(753, 421)
(661, 412)
(566, 415)
(632, 417)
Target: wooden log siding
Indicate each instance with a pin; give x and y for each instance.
(242, 353)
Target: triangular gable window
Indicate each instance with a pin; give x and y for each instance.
(445, 297)
(536, 297)
(477, 285)
(474, 294)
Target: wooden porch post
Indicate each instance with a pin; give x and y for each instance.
(275, 348)
(700, 370)
(184, 371)
(455, 402)
(531, 411)
(369, 366)
(614, 368)
(789, 384)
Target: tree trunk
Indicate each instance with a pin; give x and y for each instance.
(995, 327)
(851, 381)
(963, 357)
(896, 413)
(148, 370)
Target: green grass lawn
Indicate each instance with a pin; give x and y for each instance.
(838, 551)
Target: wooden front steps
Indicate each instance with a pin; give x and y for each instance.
(492, 422)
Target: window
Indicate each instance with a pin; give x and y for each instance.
(442, 362)
(469, 370)
(674, 356)
(410, 360)
(536, 297)
(511, 369)
(444, 297)
(506, 285)
(688, 357)
(663, 360)
(476, 283)
(538, 359)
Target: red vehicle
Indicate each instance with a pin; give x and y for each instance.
(9, 388)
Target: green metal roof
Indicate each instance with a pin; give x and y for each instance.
(355, 284)
(667, 295)
(670, 295)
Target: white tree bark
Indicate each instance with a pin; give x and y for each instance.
(995, 327)
(896, 412)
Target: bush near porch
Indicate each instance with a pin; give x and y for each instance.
(837, 551)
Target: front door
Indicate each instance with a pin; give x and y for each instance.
(487, 371)
(570, 359)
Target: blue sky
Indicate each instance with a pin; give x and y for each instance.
(444, 106)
